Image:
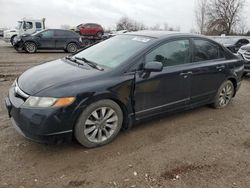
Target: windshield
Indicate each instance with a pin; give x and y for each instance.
(19, 25)
(114, 51)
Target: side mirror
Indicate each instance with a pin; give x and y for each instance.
(153, 66)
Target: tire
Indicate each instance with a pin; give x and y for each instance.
(99, 124)
(244, 74)
(72, 47)
(99, 34)
(224, 95)
(12, 39)
(86, 42)
(30, 47)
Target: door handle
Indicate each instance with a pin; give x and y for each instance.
(220, 67)
(185, 74)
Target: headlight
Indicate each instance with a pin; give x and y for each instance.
(43, 102)
(14, 83)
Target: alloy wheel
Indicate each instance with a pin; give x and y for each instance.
(101, 124)
(30, 47)
(226, 95)
(72, 48)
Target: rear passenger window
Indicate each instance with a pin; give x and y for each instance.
(171, 53)
(205, 50)
(60, 33)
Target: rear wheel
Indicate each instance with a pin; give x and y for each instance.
(99, 124)
(224, 95)
(71, 47)
(30, 47)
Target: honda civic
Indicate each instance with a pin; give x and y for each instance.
(93, 94)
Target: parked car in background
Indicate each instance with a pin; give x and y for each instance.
(244, 51)
(232, 43)
(114, 33)
(25, 26)
(1, 32)
(50, 39)
(94, 93)
(90, 29)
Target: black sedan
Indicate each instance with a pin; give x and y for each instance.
(232, 43)
(50, 39)
(111, 85)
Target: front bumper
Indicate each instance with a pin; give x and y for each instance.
(41, 125)
(18, 45)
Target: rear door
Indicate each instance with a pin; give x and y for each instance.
(46, 39)
(166, 90)
(60, 39)
(208, 70)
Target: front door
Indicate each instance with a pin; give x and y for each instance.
(46, 40)
(169, 89)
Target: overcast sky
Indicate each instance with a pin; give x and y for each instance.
(105, 12)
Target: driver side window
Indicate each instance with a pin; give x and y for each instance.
(170, 54)
(47, 34)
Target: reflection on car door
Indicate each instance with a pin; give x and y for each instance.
(208, 70)
(166, 90)
(46, 40)
(60, 39)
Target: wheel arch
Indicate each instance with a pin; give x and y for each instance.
(234, 81)
(127, 121)
(67, 43)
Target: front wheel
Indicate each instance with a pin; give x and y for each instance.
(30, 47)
(99, 124)
(13, 39)
(224, 95)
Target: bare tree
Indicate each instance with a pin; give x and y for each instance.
(126, 23)
(241, 27)
(224, 15)
(156, 27)
(201, 15)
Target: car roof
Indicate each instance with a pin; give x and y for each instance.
(57, 30)
(160, 34)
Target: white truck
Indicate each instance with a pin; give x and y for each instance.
(25, 26)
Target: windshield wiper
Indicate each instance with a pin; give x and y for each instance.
(90, 63)
(73, 60)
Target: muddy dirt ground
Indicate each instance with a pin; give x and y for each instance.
(201, 148)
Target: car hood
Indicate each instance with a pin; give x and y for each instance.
(53, 73)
